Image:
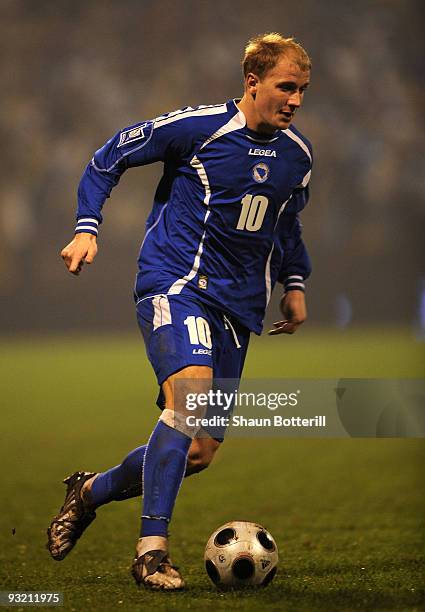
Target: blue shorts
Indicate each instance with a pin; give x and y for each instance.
(180, 331)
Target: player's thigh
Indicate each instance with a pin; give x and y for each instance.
(185, 386)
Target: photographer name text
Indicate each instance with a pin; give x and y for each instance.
(241, 421)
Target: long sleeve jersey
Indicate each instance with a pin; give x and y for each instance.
(224, 225)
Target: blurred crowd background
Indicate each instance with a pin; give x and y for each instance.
(75, 71)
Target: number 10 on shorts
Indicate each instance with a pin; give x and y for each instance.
(199, 331)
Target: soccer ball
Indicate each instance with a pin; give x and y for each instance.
(240, 554)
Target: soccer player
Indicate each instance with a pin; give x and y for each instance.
(223, 229)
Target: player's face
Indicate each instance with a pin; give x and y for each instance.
(279, 94)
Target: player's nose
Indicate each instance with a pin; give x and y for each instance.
(295, 99)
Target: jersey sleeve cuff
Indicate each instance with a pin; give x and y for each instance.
(294, 282)
(87, 225)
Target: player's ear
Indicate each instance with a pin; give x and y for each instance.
(251, 83)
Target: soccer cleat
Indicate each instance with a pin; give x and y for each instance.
(155, 571)
(73, 518)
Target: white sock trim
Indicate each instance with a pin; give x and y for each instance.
(149, 543)
(179, 422)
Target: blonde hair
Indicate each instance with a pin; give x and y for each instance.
(263, 52)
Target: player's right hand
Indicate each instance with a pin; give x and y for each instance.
(82, 249)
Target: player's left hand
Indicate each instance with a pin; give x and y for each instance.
(294, 310)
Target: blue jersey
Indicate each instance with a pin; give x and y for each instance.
(224, 225)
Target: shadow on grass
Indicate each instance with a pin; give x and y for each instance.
(305, 597)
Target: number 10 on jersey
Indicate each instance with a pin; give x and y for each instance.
(252, 213)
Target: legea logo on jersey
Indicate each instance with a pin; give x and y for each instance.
(261, 172)
(262, 152)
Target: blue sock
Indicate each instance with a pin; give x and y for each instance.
(122, 481)
(163, 472)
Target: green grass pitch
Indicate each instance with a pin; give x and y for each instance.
(347, 513)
